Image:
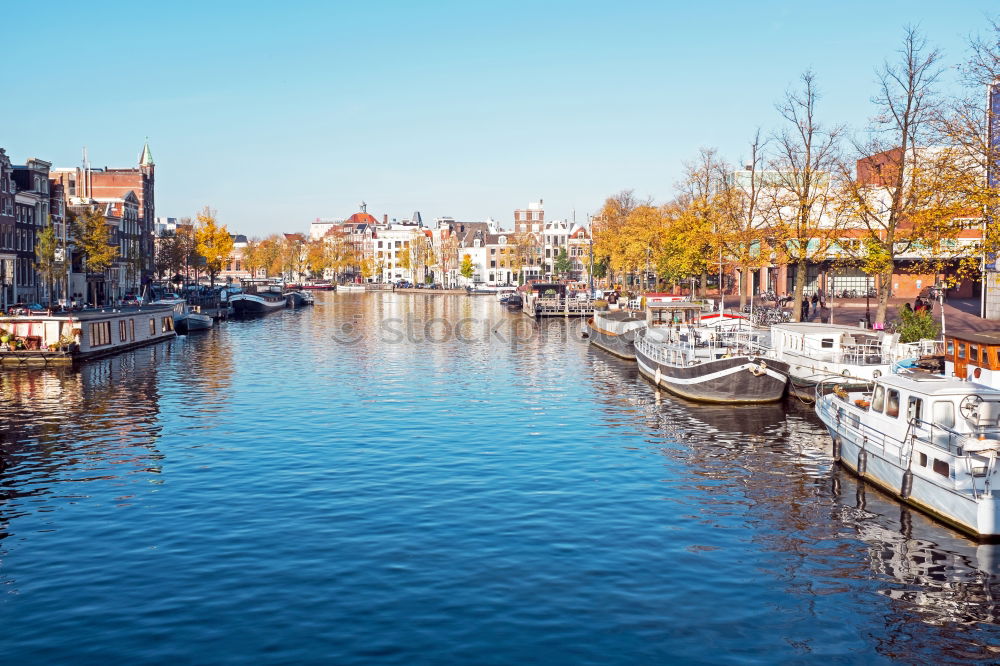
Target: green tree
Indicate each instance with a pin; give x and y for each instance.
(914, 326)
(562, 265)
(466, 269)
(213, 243)
(47, 262)
(92, 236)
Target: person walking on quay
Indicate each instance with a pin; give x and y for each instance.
(805, 308)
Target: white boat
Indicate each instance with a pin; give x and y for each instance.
(818, 353)
(185, 319)
(350, 287)
(929, 440)
(503, 293)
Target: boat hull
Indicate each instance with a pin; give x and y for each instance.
(736, 380)
(252, 304)
(297, 299)
(193, 322)
(621, 345)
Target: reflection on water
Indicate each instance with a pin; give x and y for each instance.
(416, 478)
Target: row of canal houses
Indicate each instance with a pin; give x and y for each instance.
(488, 246)
(35, 194)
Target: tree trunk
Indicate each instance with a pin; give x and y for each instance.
(800, 289)
(704, 283)
(883, 296)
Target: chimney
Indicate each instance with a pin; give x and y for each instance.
(748, 167)
(385, 218)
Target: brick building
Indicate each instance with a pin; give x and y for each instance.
(83, 185)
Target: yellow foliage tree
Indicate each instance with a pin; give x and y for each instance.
(213, 243)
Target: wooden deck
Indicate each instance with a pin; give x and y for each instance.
(558, 307)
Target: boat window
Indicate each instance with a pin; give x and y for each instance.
(892, 404)
(827, 343)
(131, 330)
(951, 347)
(961, 350)
(974, 353)
(152, 326)
(922, 461)
(122, 331)
(941, 467)
(944, 413)
(914, 407)
(878, 399)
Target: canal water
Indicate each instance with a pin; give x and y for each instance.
(402, 479)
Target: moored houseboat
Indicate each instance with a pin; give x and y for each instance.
(702, 363)
(258, 298)
(819, 355)
(615, 332)
(47, 338)
(927, 439)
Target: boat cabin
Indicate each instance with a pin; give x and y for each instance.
(943, 414)
(678, 315)
(973, 356)
(829, 343)
(64, 338)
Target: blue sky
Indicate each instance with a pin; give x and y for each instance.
(275, 113)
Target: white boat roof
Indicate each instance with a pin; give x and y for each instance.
(929, 384)
(815, 328)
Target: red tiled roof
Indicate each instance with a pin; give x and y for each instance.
(363, 218)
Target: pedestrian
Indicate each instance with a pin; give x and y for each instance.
(815, 300)
(805, 308)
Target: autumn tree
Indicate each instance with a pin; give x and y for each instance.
(900, 194)
(803, 215)
(214, 243)
(449, 254)
(92, 238)
(608, 228)
(317, 257)
(741, 215)
(963, 124)
(252, 257)
(524, 248)
(467, 269)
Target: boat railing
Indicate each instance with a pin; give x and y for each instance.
(938, 436)
(919, 348)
